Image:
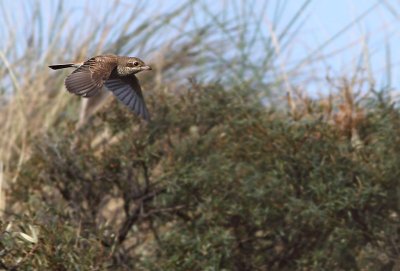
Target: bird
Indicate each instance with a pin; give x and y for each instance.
(117, 73)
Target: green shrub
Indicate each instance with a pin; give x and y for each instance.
(215, 182)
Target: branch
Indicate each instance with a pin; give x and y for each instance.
(136, 214)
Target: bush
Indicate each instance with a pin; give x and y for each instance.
(215, 182)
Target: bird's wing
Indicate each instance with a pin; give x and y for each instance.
(88, 79)
(128, 90)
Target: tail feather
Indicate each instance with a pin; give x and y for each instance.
(63, 66)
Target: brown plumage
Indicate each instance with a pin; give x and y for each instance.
(117, 73)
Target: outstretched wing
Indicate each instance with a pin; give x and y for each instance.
(128, 91)
(88, 79)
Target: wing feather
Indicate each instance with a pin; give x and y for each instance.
(129, 92)
(88, 79)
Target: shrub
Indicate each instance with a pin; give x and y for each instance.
(215, 182)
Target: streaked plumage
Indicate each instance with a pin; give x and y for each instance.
(117, 73)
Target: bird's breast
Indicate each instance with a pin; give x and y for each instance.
(123, 71)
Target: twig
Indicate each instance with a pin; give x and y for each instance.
(146, 177)
(136, 214)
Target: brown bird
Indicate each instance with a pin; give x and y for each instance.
(117, 73)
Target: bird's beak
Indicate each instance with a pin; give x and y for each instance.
(146, 68)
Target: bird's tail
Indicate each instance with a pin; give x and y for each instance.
(63, 66)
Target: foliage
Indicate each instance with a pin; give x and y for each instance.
(51, 246)
(216, 182)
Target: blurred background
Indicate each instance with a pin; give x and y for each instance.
(273, 145)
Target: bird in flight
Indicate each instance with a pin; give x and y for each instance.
(117, 73)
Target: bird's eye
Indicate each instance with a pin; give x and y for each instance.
(135, 63)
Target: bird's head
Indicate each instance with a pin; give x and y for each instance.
(132, 65)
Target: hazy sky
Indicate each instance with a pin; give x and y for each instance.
(376, 34)
(325, 33)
